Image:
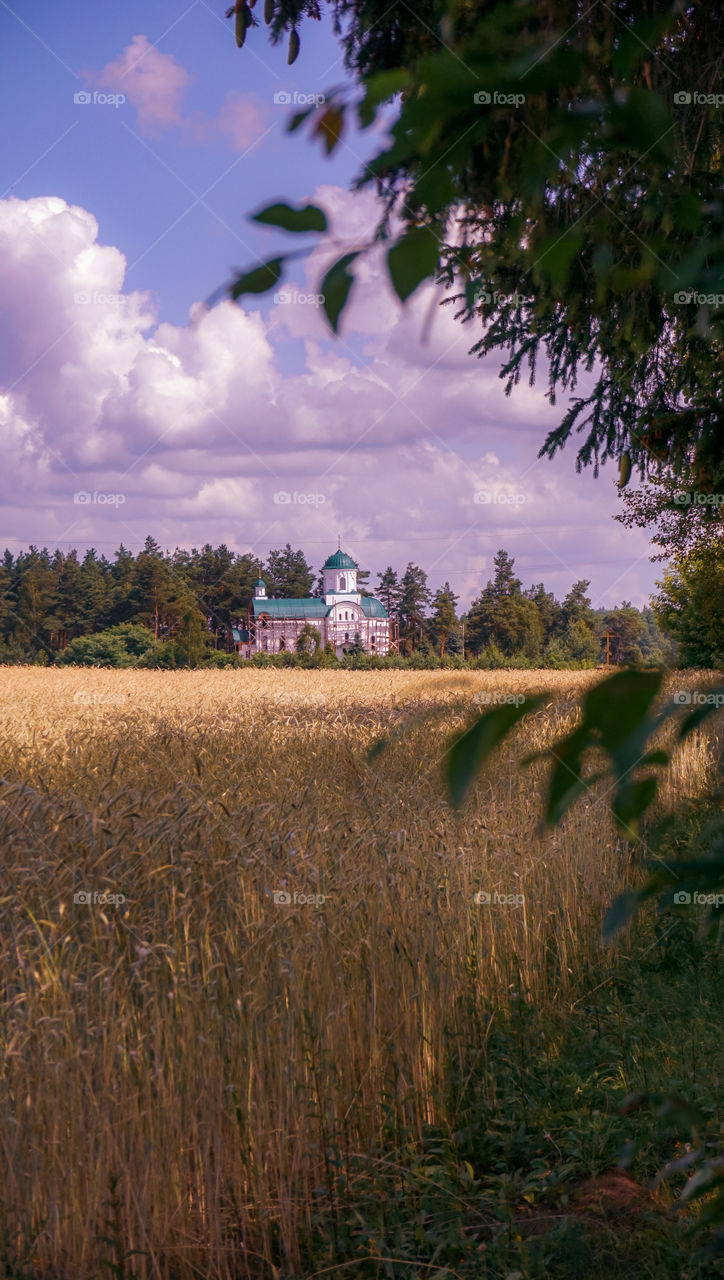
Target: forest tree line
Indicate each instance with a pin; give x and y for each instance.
(188, 601)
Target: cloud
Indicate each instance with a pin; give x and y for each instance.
(242, 119)
(200, 429)
(156, 85)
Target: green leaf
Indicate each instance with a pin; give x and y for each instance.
(306, 218)
(258, 280)
(335, 289)
(329, 127)
(703, 711)
(566, 780)
(630, 804)
(617, 706)
(413, 259)
(557, 254)
(299, 117)
(669, 1106)
(656, 756)
(620, 913)
(643, 123)
(381, 88)
(635, 44)
(709, 1176)
(469, 752)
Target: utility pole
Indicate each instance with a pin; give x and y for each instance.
(462, 628)
(608, 637)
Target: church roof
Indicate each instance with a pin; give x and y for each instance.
(312, 607)
(373, 608)
(340, 560)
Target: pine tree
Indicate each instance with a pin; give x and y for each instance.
(576, 606)
(191, 642)
(503, 616)
(287, 575)
(388, 591)
(36, 602)
(413, 600)
(69, 589)
(549, 610)
(96, 591)
(444, 625)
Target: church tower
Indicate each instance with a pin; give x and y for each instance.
(339, 578)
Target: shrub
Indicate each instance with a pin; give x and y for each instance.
(124, 645)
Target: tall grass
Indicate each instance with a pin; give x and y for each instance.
(189, 1075)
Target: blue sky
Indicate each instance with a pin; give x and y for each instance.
(250, 425)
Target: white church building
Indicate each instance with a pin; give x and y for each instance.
(341, 615)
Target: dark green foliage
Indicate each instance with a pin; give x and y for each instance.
(388, 591)
(445, 632)
(125, 645)
(192, 639)
(542, 1104)
(414, 597)
(503, 616)
(568, 162)
(307, 218)
(619, 722)
(287, 574)
(690, 603)
(467, 754)
(48, 601)
(309, 640)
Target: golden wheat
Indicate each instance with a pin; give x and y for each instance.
(205, 1046)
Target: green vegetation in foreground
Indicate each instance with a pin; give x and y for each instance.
(505, 1195)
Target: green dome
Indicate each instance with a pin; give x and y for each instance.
(260, 582)
(340, 560)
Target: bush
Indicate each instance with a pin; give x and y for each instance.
(223, 661)
(125, 645)
(269, 660)
(490, 658)
(164, 655)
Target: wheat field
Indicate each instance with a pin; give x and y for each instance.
(237, 953)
